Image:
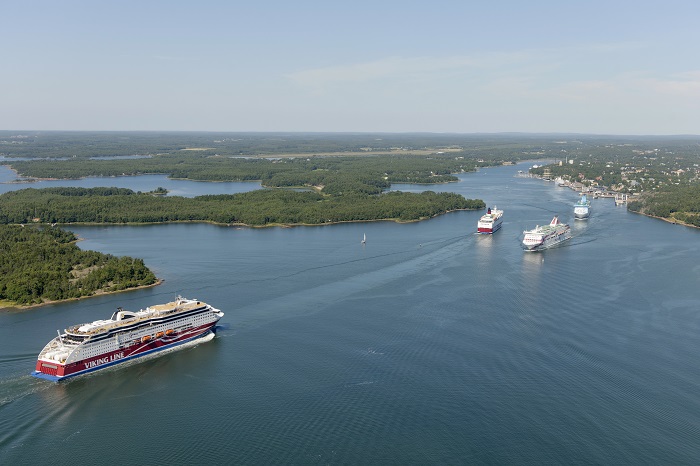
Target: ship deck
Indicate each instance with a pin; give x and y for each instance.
(150, 312)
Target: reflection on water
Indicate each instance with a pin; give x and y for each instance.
(532, 268)
(532, 261)
(484, 241)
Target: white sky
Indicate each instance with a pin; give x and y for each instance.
(606, 67)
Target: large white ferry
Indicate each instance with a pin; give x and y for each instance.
(490, 222)
(582, 209)
(543, 237)
(126, 335)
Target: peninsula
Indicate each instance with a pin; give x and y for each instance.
(42, 264)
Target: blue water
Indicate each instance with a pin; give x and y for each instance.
(427, 345)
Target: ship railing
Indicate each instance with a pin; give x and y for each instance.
(151, 313)
(120, 323)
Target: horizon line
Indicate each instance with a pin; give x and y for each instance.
(349, 132)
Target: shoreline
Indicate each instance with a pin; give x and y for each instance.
(670, 220)
(666, 219)
(7, 307)
(267, 225)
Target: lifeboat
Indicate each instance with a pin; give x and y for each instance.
(145, 339)
(169, 332)
(159, 334)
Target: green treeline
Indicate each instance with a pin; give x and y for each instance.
(90, 144)
(677, 203)
(255, 208)
(39, 264)
(337, 175)
(591, 171)
(339, 163)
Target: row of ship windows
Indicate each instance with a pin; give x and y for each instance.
(100, 350)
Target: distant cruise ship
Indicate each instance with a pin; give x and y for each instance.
(543, 237)
(126, 335)
(582, 209)
(490, 222)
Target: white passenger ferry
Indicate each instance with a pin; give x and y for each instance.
(490, 222)
(126, 335)
(582, 209)
(543, 237)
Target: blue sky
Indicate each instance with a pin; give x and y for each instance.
(604, 67)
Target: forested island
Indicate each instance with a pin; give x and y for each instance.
(256, 208)
(332, 175)
(40, 264)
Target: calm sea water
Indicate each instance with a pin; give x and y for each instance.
(427, 345)
(144, 183)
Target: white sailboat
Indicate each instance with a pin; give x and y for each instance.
(364, 239)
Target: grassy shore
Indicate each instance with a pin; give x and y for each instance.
(9, 306)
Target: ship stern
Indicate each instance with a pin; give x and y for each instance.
(49, 371)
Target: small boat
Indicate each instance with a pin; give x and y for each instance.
(169, 332)
(364, 239)
(160, 334)
(145, 338)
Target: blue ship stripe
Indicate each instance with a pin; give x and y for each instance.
(54, 378)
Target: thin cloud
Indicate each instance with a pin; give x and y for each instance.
(388, 68)
(677, 87)
(169, 58)
(685, 84)
(527, 64)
